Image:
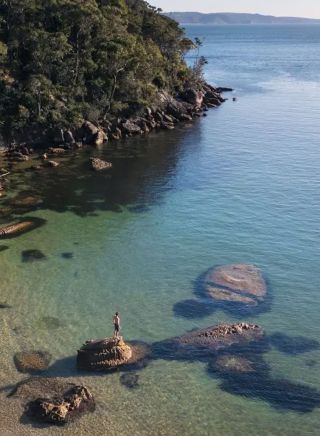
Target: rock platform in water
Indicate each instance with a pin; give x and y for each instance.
(203, 343)
(239, 283)
(221, 336)
(102, 354)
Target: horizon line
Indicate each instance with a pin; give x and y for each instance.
(250, 13)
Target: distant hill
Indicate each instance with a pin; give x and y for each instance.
(235, 18)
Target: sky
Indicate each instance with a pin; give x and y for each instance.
(293, 8)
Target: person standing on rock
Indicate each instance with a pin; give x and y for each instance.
(116, 324)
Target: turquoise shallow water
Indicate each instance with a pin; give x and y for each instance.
(241, 185)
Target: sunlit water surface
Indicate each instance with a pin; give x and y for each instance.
(239, 186)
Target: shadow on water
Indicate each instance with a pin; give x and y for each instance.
(204, 306)
(255, 382)
(140, 175)
(293, 345)
(280, 393)
(193, 309)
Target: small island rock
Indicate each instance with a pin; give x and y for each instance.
(102, 354)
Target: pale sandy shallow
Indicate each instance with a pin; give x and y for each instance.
(172, 399)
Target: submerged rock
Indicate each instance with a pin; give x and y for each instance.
(221, 336)
(50, 323)
(130, 380)
(5, 306)
(32, 361)
(67, 255)
(208, 341)
(3, 248)
(53, 400)
(103, 354)
(141, 354)
(52, 163)
(99, 164)
(236, 283)
(229, 363)
(21, 227)
(32, 255)
(56, 150)
(26, 201)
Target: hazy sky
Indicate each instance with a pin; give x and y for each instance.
(296, 8)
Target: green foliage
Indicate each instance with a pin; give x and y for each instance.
(63, 60)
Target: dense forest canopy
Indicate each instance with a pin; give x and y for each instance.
(65, 60)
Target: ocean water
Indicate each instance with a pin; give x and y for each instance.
(238, 186)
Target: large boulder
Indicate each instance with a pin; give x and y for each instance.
(102, 354)
(131, 127)
(236, 283)
(193, 97)
(53, 400)
(91, 134)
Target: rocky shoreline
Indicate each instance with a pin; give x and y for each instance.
(168, 112)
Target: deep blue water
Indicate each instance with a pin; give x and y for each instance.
(239, 186)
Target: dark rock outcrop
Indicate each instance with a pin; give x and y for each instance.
(236, 283)
(102, 354)
(64, 409)
(32, 361)
(53, 400)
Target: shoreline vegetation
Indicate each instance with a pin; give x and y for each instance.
(76, 72)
